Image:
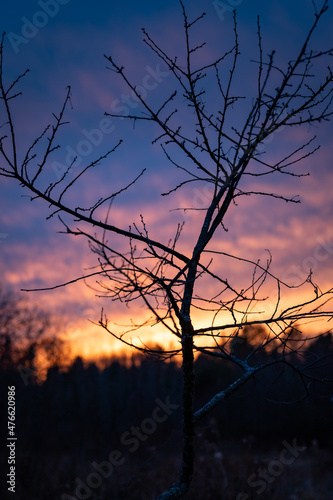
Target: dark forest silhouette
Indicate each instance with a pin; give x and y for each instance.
(77, 416)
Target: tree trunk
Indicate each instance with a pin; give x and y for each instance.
(188, 396)
(182, 486)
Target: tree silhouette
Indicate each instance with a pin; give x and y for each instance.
(30, 338)
(219, 155)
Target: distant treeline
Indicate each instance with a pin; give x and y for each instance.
(101, 403)
(77, 416)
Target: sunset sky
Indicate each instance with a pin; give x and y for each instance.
(63, 43)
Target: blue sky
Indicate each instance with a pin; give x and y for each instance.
(63, 43)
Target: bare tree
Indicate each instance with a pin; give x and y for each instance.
(30, 338)
(214, 151)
